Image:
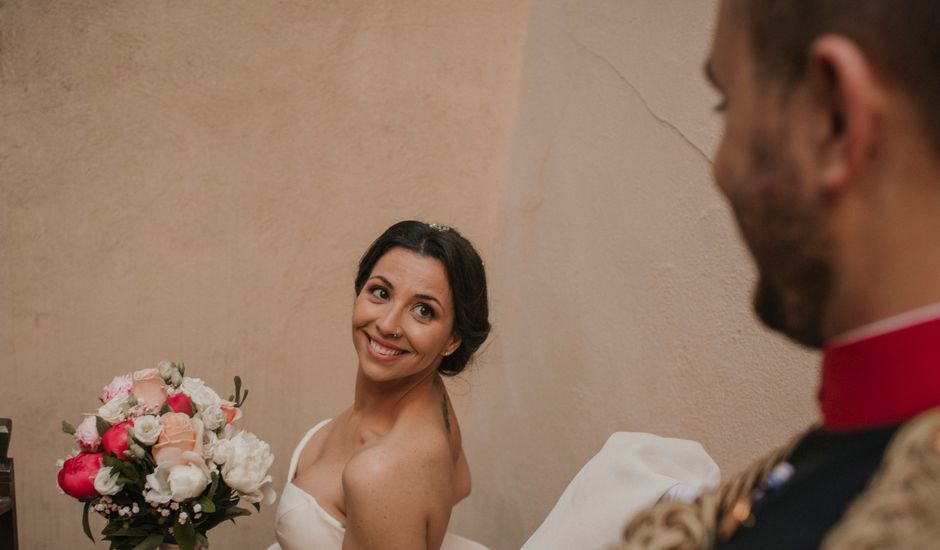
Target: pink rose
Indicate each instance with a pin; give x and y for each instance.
(77, 476)
(120, 384)
(86, 435)
(149, 388)
(180, 434)
(232, 413)
(181, 403)
(115, 439)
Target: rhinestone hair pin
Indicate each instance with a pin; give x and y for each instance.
(440, 228)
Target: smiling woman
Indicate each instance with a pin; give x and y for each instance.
(386, 472)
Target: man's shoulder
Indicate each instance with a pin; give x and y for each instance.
(901, 506)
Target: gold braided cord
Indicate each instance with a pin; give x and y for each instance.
(694, 525)
(901, 507)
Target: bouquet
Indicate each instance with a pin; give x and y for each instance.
(162, 461)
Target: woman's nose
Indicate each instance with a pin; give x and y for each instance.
(389, 324)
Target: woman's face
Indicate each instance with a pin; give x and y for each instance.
(403, 317)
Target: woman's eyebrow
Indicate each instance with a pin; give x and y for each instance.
(384, 280)
(427, 297)
(430, 299)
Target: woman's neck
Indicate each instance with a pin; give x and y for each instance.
(382, 402)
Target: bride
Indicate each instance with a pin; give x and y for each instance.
(386, 472)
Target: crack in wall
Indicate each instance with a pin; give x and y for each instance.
(636, 91)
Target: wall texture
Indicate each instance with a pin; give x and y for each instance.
(621, 290)
(196, 181)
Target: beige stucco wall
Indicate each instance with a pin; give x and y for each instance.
(621, 291)
(197, 180)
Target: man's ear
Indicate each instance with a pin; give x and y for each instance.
(851, 100)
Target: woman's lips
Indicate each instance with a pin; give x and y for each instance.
(383, 351)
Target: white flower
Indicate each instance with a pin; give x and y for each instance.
(181, 480)
(209, 441)
(86, 434)
(170, 373)
(199, 393)
(222, 450)
(106, 481)
(114, 410)
(188, 480)
(147, 429)
(159, 483)
(120, 384)
(246, 467)
(213, 417)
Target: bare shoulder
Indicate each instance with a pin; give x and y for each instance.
(407, 455)
(399, 490)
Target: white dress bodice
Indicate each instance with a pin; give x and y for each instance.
(303, 524)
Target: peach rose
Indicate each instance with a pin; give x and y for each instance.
(149, 388)
(232, 413)
(180, 434)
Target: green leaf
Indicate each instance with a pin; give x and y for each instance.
(238, 390)
(236, 511)
(185, 535)
(68, 428)
(215, 485)
(165, 409)
(151, 542)
(102, 425)
(244, 397)
(85, 526)
(208, 506)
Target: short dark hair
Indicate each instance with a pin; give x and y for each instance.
(465, 274)
(901, 37)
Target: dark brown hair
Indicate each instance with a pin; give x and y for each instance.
(465, 274)
(901, 37)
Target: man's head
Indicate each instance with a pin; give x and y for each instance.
(824, 103)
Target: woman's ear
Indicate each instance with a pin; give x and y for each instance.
(452, 345)
(850, 106)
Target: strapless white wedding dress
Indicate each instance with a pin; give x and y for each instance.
(302, 524)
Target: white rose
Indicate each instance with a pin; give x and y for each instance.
(158, 484)
(213, 417)
(246, 467)
(188, 480)
(114, 411)
(147, 429)
(179, 480)
(106, 482)
(199, 393)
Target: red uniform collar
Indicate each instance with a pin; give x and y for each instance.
(881, 379)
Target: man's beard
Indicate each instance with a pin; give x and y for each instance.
(784, 227)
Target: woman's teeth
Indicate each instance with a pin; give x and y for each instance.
(382, 350)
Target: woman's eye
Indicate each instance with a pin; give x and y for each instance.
(425, 311)
(379, 293)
